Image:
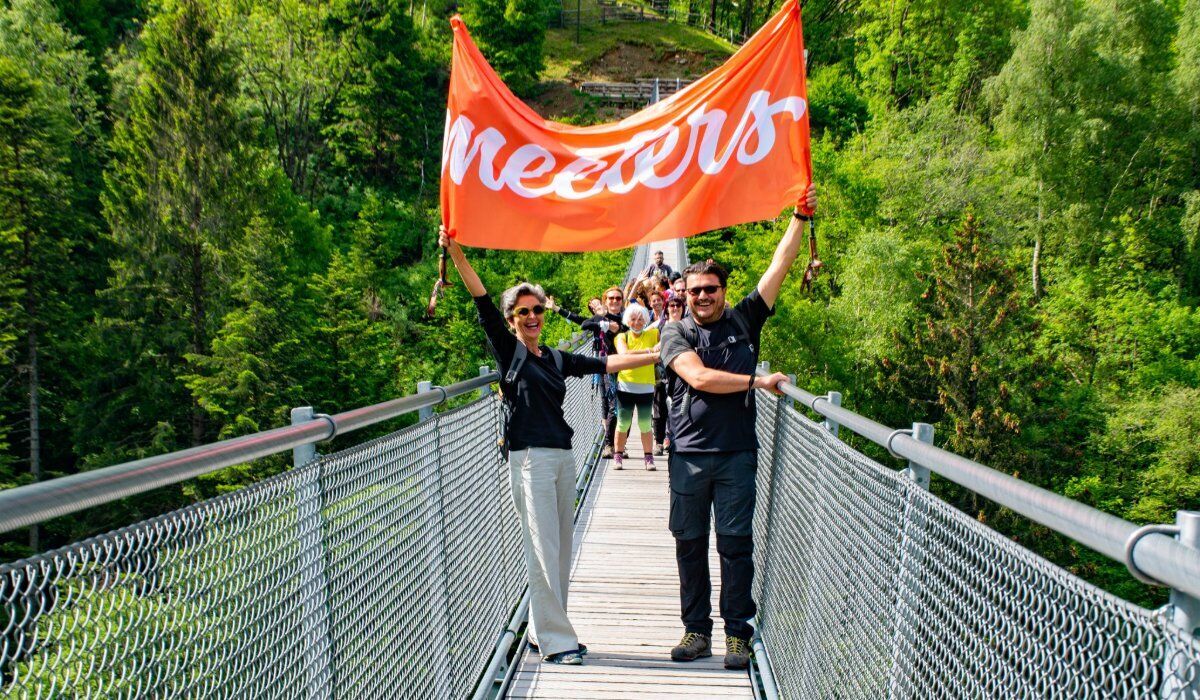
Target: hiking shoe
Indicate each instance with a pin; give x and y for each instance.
(618, 460)
(693, 646)
(625, 454)
(649, 463)
(567, 658)
(606, 453)
(737, 653)
(658, 449)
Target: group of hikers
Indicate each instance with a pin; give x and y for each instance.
(707, 353)
(655, 298)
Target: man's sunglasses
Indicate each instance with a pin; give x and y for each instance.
(524, 311)
(709, 289)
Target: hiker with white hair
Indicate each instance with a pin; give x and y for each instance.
(635, 387)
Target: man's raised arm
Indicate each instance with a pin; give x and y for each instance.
(785, 254)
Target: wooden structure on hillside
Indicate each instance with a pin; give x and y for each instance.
(642, 91)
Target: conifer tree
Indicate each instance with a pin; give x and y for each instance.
(512, 35)
(387, 129)
(47, 132)
(970, 305)
(176, 201)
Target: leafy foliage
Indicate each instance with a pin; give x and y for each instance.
(262, 234)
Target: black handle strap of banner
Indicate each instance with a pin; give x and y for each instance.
(439, 285)
(814, 262)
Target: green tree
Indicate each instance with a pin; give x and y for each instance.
(914, 49)
(47, 133)
(387, 128)
(293, 64)
(959, 344)
(511, 34)
(176, 201)
(257, 366)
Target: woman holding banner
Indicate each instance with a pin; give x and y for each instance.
(538, 442)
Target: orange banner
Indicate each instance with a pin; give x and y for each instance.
(730, 148)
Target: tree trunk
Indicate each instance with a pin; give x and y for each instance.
(35, 437)
(198, 335)
(31, 369)
(1035, 266)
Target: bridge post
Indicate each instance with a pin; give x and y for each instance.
(791, 401)
(908, 573)
(308, 452)
(486, 389)
(919, 474)
(427, 412)
(310, 539)
(835, 399)
(1185, 611)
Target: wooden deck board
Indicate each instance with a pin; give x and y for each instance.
(624, 601)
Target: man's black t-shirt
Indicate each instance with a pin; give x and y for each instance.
(715, 422)
(537, 394)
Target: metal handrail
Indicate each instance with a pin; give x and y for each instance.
(34, 503)
(1157, 555)
(27, 505)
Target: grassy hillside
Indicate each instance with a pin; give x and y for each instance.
(619, 52)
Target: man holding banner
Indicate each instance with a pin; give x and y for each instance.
(710, 359)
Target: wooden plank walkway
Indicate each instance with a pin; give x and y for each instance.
(624, 601)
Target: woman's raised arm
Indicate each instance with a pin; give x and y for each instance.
(471, 280)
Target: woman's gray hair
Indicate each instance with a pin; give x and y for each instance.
(508, 300)
(635, 310)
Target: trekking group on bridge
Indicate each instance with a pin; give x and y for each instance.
(685, 364)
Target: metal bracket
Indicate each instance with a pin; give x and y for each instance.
(1131, 543)
(892, 436)
(813, 404)
(332, 425)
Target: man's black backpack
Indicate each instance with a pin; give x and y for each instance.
(507, 403)
(690, 332)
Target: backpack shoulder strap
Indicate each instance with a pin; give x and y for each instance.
(744, 328)
(518, 361)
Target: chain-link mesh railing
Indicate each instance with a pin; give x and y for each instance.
(871, 587)
(383, 571)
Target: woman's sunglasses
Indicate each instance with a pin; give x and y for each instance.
(524, 311)
(709, 289)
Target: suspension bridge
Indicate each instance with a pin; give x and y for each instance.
(393, 569)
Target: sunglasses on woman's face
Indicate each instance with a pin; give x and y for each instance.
(709, 289)
(614, 298)
(524, 311)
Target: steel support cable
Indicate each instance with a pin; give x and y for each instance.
(26, 505)
(1157, 555)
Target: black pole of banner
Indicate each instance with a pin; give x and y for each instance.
(578, 19)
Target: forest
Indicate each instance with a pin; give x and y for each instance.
(212, 211)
